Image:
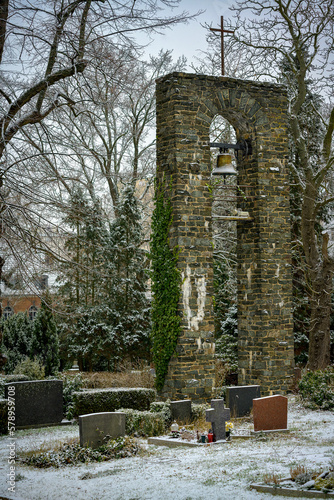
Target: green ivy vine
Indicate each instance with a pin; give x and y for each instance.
(166, 285)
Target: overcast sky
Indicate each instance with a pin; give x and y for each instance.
(189, 39)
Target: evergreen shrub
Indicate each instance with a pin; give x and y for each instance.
(3, 416)
(317, 389)
(31, 368)
(101, 400)
(16, 339)
(70, 385)
(162, 407)
(45, 343)
(198, 411)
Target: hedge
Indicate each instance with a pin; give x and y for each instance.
(101, 400)
(144, 423)
(3, 416)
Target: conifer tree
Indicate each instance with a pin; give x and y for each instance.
(45, 343)
(128, 303)
(16, 339)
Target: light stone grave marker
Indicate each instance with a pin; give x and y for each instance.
(97, 428)
(218, 415)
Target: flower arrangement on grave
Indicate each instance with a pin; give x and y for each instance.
(228, 428)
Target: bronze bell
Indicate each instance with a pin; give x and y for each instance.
(224, 165)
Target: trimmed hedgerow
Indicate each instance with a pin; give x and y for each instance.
(3, 416)
(317, 389)
(144, 423)
(100, 400)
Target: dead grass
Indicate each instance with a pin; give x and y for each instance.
(127, 376)
(221, 371)
(297, 471)
(52, 445)
(272, 478)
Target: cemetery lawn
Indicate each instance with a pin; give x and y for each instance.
(216, 472)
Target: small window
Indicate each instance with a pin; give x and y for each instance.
(32, 312)
(7, 312)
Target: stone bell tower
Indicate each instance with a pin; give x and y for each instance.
(186, 106)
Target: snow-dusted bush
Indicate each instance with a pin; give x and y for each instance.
(32, 368)
(144, 423)
(317, 389)
(164, 408)
(16, 339)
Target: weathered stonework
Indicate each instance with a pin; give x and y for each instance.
(186, 106)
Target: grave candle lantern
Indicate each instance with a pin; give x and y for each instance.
(174, 427)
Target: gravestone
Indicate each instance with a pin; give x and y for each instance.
(218, 415)
(37, 402)
(270, 413)
(240, 399)
(181, 410)
(97, 428)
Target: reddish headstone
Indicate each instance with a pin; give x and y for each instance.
(270, 413)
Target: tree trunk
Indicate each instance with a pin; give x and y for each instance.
(319, 338)
(319, 275)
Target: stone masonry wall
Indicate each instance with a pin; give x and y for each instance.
(186, 106)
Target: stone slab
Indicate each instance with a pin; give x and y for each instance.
(181, 410)
(240, 399)
(270, 413)
(96, 429)
(41, 426)
(289, 492)
(37, 402)
(173, 443)
(255, 433)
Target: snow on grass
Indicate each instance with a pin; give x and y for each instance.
(161, 473)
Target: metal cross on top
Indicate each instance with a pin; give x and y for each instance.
(222, 31)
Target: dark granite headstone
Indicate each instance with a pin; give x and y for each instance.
(218, 415)
(97, 428)
(240, 399)
(270, 413)
(38, 402)
(181, 410)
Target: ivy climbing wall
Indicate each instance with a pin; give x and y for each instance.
(186, 106)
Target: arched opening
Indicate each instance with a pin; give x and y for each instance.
(7, 312)
(224, 234)
(32, 312)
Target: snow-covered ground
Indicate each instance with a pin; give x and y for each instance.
(216, 472)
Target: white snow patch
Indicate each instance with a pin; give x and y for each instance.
(211, 473)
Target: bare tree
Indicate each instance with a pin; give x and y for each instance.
(297, 37)
(45, 49)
